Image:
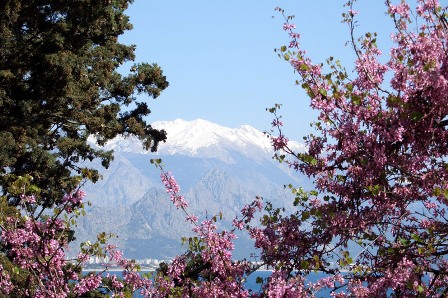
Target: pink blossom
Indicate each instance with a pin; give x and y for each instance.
(28, 199)
(88, 283)
(289, 26)
(6, 285)
(279, 142)
(173, 189)
(192, 218)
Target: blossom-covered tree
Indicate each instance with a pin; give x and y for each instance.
(378, 161)
(376, 222)
(34, 262)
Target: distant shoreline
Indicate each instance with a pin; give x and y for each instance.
(152, 270)
(144, 270)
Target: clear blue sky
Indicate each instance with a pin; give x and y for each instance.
(219, 55)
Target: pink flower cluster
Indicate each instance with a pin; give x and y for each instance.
(73, 200)
(279, 142)
(378, 161)
(5, 281)
(173, 189)
(36, 246)
(88, 283)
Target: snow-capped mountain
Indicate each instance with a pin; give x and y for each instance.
(206, 140)
(219, 169)
(199, 136)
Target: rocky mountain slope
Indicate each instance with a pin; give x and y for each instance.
(219, 170)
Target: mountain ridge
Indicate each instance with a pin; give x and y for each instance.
(219, 169)
(204, 139)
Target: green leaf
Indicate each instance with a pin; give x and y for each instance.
(15, 270)
(416, 116)
(304, 67)
(305, 215)
(304, 264)
(404, 242)
(356, 100)
(156, 161)
(436, 191)
(34, 189)
(349, 87)
(445, 193)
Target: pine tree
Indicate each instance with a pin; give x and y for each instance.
(59, 84)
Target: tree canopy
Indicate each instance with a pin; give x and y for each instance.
(60, 84)
(378, 160)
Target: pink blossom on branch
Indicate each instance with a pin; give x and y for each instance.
(5, 282)
(378, 161)
(279, 142)
(173, 189)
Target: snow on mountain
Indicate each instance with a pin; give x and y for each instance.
(219, 169)
(205, 139)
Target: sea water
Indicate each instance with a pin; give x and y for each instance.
(251, 281)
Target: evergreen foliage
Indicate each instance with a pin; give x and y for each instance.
(59, 84)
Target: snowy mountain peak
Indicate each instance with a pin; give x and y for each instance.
(204, 139)
(207, 139)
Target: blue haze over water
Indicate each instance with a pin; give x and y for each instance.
(251, 283)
